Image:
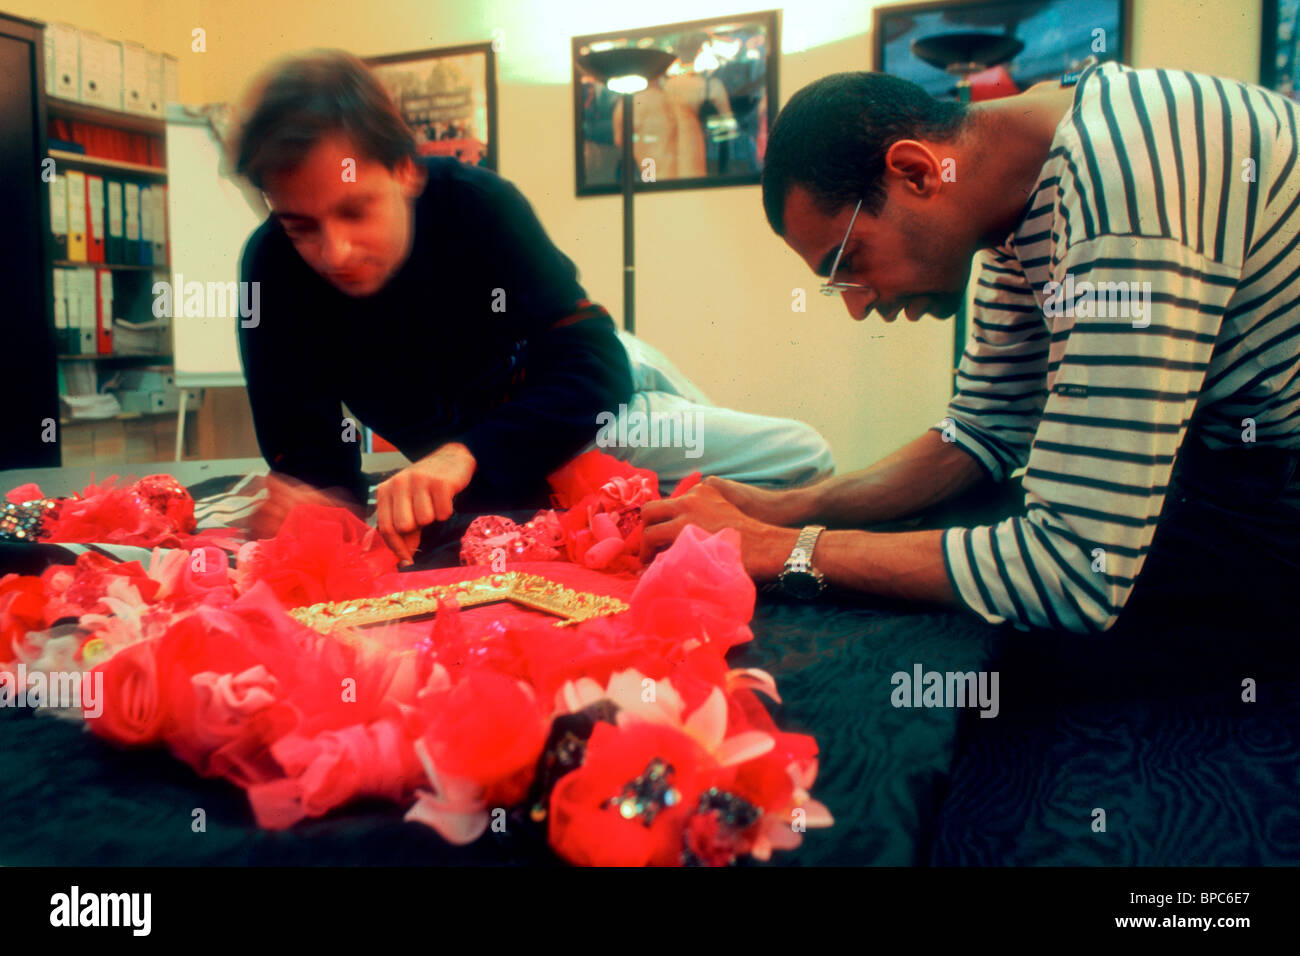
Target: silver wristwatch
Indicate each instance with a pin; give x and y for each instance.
(800, 579)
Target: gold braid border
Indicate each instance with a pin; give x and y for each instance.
(527, 590)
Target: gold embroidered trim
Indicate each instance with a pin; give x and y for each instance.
(527, 590)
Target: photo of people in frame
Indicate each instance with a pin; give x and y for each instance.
(703, 123)
(1058, 36)
(448, 98)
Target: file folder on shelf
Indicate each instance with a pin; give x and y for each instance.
(146, 226)
(104, 311)
(62, 334)
(113, 242)
(89, 312)
(101, 71)
(153, 86)
(59, 216)
(131, 245)
(95, 218)
(76, 216)
(63, 61)
(135, 78)
(159, 196)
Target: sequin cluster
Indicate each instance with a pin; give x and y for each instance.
(25, 521)
(649, 794)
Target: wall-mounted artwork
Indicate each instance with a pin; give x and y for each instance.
(1044, 39)
(704, 123)
(448, 97)
(1279, 55)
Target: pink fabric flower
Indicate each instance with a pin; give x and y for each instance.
(333, 767)
(134, 709)
(227, 721)
(698, 587)
(621, 493)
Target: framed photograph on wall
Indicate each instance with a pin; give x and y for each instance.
(1049, 38)
(1279, 55)
(448, 97)
(704, 123)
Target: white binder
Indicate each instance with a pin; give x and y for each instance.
(63, 60)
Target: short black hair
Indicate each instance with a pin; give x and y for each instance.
(832, 137)
(301, 99)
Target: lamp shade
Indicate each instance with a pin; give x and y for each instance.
(645, 62)
(964, 53)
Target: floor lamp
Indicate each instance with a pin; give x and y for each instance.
(626, 71)
(963, 55)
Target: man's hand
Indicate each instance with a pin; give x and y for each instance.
(419, 495)
(906, 565)
(784, 508)
(763, 547)
(285, 493)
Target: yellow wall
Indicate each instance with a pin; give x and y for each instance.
(714, 285)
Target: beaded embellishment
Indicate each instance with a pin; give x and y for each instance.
(23, 522)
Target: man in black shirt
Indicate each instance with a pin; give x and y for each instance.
(425, 295)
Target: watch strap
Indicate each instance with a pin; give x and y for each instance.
(807, 542)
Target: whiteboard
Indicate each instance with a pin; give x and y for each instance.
(210, 216)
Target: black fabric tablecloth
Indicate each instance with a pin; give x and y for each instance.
(69, 798)
(1147, 725)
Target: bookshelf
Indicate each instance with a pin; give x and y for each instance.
(85, 112)
(132, 434)
(78, 161)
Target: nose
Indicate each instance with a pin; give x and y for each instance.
(859, 302)
(335, 246)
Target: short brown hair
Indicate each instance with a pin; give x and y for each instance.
(300, 100)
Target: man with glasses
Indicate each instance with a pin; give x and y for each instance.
(426, 296)
(1135, 346)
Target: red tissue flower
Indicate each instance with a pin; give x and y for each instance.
(588, 829)
(135, 709)
(488, 728)
(319, 554)
(22, 609)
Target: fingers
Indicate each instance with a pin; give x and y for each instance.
(384, 522)
(728, 489)
(400, 508)
(657, 537)
(405, 504)
(422, 506)
(411, 541)
(653, 512)
(441, 498)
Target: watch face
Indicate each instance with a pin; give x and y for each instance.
(800, 584)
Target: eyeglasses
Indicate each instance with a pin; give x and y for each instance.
(830, 286)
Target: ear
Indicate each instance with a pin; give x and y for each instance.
(916, 166)
(410, 175)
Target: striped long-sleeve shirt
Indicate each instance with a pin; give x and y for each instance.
(1179, 185)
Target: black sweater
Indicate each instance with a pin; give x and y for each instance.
(427, 360)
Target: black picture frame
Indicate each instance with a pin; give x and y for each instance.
(1279, 52)
(1037, 62)
(428, 110)
(733, 161)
